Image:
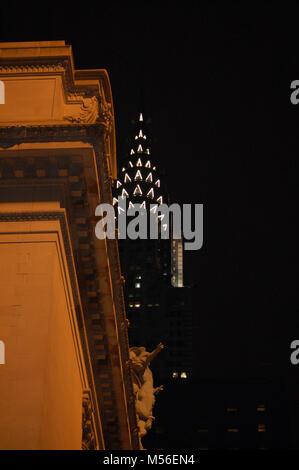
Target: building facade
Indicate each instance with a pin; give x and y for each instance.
(66, 380)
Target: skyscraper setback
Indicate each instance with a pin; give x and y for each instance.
(157, 303)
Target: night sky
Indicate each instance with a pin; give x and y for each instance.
(216, 81)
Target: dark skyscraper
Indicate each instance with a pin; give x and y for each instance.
(157, 303)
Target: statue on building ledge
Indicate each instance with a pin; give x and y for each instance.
(143, 387)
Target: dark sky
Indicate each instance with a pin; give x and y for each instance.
(216, 80)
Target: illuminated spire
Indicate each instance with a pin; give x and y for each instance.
(151, 193)
(149, 178)
(124, 193)
(138, 176)
(137, 191)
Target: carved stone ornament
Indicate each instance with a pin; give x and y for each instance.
(33, 68)
(88, 113)
(88, 434)
(106, 115)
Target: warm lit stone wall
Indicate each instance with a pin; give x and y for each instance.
(42, 380)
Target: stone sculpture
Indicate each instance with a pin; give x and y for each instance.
(143, 387)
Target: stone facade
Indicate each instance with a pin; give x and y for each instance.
(57, 163)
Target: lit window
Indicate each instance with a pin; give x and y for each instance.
(140, 149)
(131, 205)
(149, 178)
(137, 305)
(142, 206)
(261, 408)
(127, 178)
(183, 375)
(150, 193)
(140, 133)
(131, 305)
(118, 184)
(114, 201)
(233, 430)
(175, 375)
(261, 428)
(160, 199)
(131, 164)
(137, 191)
(123, 169)
(148, 164)
(138, 277)
(140, 117)
(124, 193)
(139, 163)
(137, 285)
(153, 209)
(157, 183)
(132, 152)
(147, 151)
(138, 176)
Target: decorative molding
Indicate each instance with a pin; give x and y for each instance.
(88, 429)
(14, 135)
(88, 113)
(106, 117)
(72, 92)
(33, 68)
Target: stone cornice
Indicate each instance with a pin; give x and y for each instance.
(90, 90)
(14, 135)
